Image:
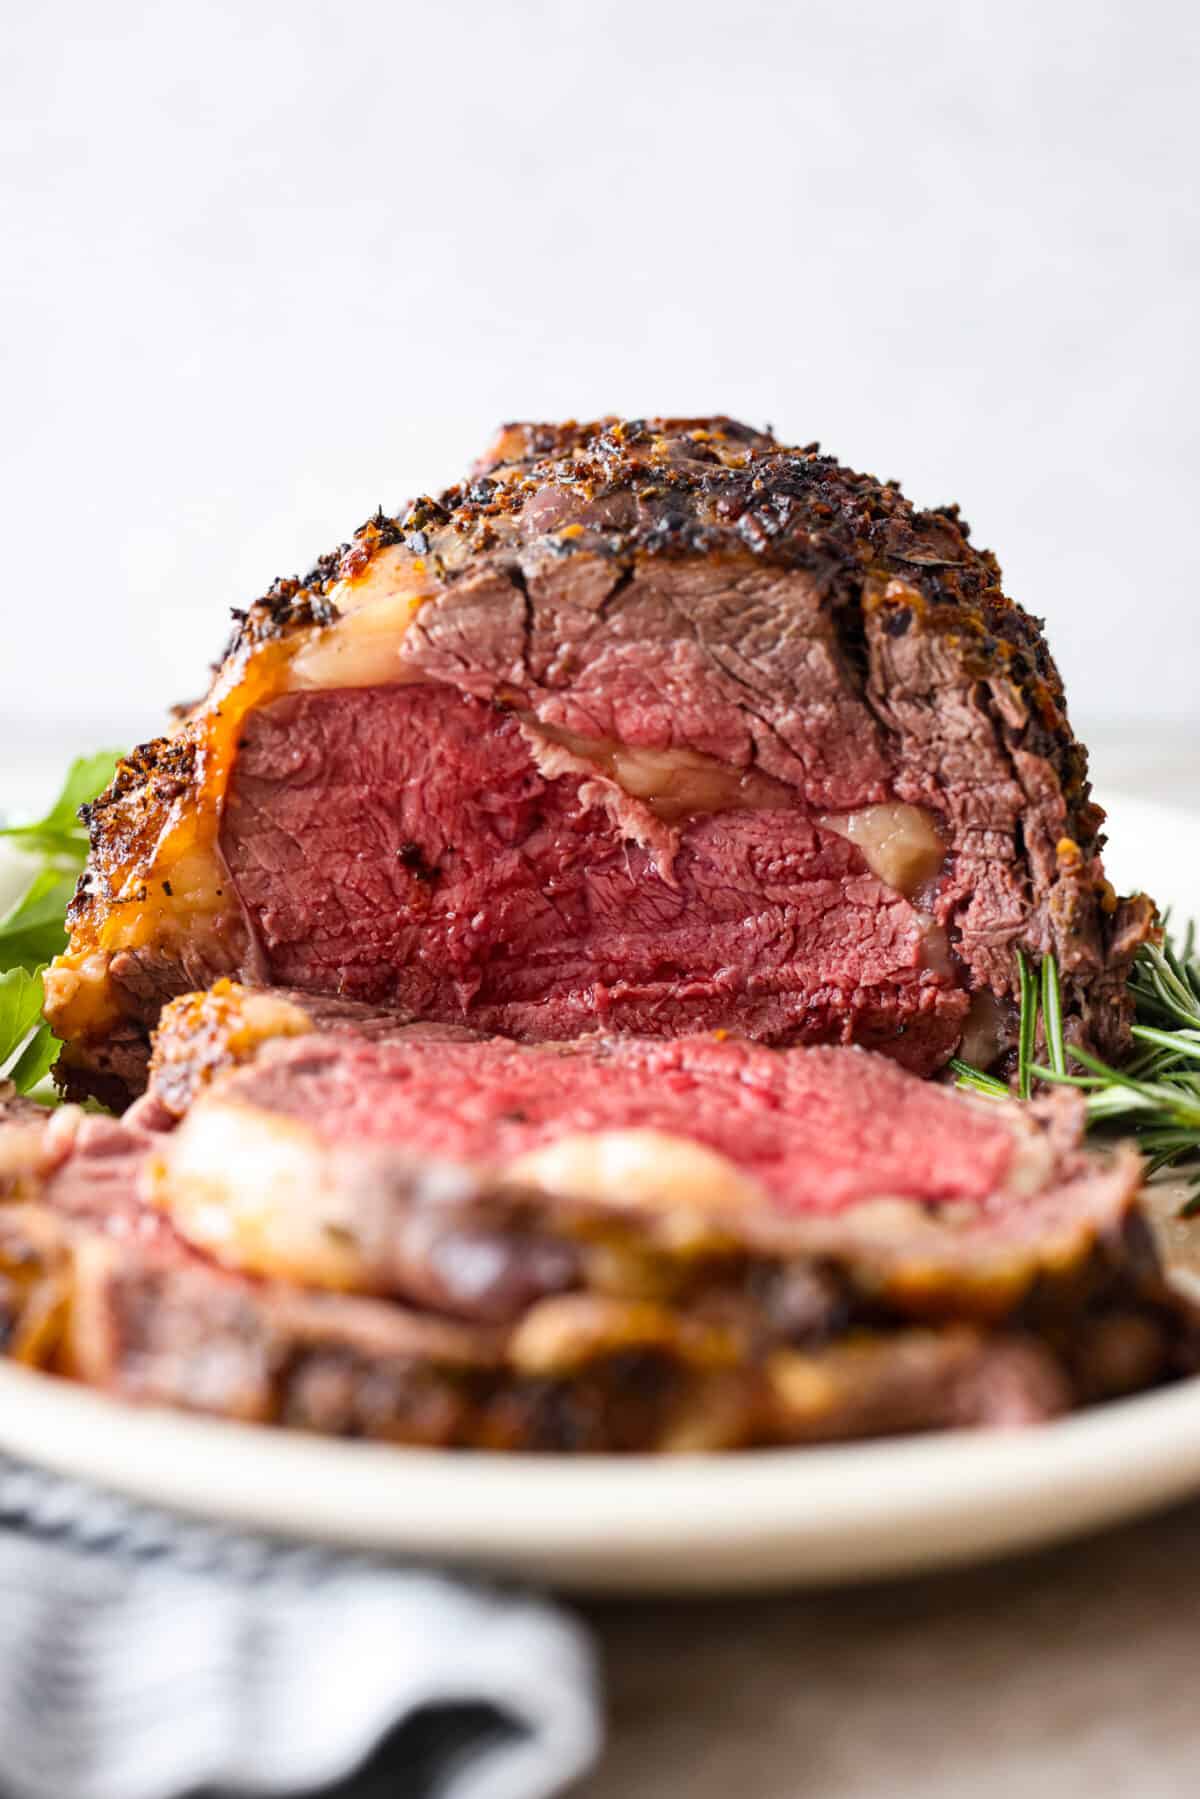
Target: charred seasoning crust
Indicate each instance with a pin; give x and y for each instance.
(686, 487)
(708, 486)
(288, 605)
(124, 823)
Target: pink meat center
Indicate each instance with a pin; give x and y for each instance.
(401, 845)
(819, 1129)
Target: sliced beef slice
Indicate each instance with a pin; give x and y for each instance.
(474, 1176)
(515, 1300)
(826, 1190)
(650, 1381)
(136, 1313)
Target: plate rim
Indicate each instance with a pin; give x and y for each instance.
(830, 1512)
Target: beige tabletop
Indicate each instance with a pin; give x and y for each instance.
(1074, 1673)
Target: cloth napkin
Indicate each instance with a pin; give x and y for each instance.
(143, 1657)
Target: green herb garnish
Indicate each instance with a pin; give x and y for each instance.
(1052, 1015)
(60, 836)
(33, 930)
(25, 1039)
(1027, 1034)
(976, 1081)
(1157, 1094)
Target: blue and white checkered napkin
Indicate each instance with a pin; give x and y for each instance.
(142, 1657)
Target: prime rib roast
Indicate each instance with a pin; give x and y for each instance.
(649, 728)
(318, 1216)
(490, 970)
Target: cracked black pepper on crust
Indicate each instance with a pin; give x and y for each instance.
(664, 487)
(687, 487)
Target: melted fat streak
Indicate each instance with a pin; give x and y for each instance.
(900, 844)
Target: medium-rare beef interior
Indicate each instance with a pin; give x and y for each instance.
(652, 728)
(322, 1216)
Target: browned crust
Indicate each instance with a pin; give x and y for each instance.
(123, 822)
(706, 486)
(203, 1035)
(664, 1383)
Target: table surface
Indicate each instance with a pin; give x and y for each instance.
(1073, 1673)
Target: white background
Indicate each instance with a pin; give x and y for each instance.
(265, 266)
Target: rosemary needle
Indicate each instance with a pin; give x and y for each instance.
(1028, 1029)
(1052, 1015)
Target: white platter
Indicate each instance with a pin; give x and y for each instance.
(769, 1518)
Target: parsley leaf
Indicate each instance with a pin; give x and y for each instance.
(27, 1047)
(36, 1059)
(60, 834)
(20, 1009)
(32, 931)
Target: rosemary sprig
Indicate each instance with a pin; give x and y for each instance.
(1027, 1034)
(976, 1081)
(1157, 1094)
(1052, 1015)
